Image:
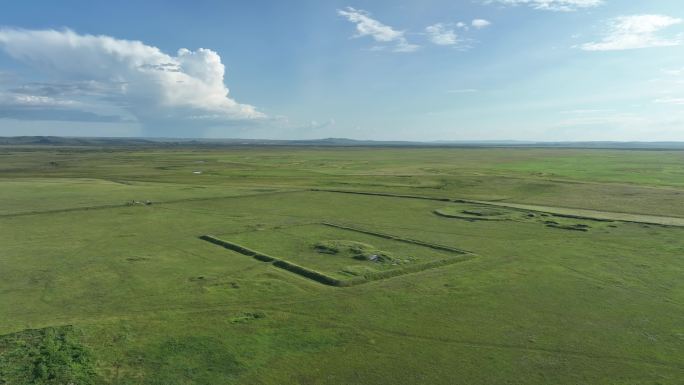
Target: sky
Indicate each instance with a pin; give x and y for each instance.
(530, 70)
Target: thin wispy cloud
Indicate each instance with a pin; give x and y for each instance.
(445, 33)
(389, 38)
(635, 32)
(673, 101)
(381, 33)
(550, 5)
(463, 91)
(154, 87)
(20, 106)
(585, 111)
(608, 120)
(21, 100)
(441, 35)
(674, 72)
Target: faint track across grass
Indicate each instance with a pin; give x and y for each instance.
(123, 205)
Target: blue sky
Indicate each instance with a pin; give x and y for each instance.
(396, 70)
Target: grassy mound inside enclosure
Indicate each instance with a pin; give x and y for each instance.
(484, 212)
(357, 250)
(474, 213)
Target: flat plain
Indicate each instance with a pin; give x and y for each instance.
(575, 276)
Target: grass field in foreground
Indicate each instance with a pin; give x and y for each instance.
(150, 303)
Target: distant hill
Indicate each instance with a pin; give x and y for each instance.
(72, 141)
(327, 142)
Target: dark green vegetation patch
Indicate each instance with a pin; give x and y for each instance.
(50, 356)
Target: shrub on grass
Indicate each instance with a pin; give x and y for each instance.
(50, 356)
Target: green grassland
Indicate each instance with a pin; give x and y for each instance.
(95, 289)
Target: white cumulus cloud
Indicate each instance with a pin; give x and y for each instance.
(153, 86)
(441, 35)
(367, 26)
(551, 5)
(634, 32)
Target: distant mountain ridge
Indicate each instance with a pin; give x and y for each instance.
(326, 142)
